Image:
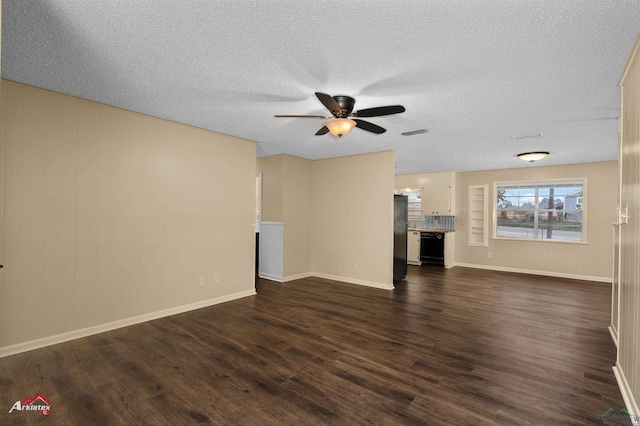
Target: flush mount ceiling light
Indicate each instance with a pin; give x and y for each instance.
(533, 156)
(340, 126)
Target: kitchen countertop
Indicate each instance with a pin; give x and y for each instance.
(431, 230)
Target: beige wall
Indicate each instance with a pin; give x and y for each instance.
(110, 215)
(272, 169)
(296, 212)
(353, 218)
(3, 125)
(590, 261)
(338, 215)
(628, 363)
(286, 197)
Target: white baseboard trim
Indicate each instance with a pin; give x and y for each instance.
(353, 281)
(535, 272)
(270, 277)
(614, 335)
(89, 331)
(328, 277)
(627, 396)
(280, 279)
(297, 277)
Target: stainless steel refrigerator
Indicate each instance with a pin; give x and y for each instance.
(400, 225)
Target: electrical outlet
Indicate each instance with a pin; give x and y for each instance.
(201, 281)
(216, 278)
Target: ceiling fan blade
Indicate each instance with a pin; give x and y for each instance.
(380, 111)
(369, 127)
(323, 131)
(299, 116)
(329, 103)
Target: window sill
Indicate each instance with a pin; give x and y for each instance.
(540, 240)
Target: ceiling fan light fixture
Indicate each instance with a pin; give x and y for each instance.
(533, 156)
(340, 126)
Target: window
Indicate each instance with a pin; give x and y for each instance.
(415, 202)
(540, 210)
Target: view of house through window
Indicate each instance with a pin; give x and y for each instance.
(540, 210)
(414, 202)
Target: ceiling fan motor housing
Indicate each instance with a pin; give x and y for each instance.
(346, 103)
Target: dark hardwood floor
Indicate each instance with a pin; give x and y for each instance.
(446, 347)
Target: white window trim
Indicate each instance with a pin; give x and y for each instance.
(415, 190)
(494, 221)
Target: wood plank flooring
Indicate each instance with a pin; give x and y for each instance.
(447, 346)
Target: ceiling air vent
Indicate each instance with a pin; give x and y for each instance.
(527, 136)
(414, 132)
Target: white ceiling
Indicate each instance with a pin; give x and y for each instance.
(475, 73)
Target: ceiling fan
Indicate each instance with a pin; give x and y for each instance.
(341, 108)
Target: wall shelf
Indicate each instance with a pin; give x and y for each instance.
(478, 221)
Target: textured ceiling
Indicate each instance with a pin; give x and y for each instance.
(475, 73)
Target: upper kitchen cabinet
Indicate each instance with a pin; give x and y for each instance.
(436, 191)
(436, 199)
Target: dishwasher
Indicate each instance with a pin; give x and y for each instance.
(432, 248)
